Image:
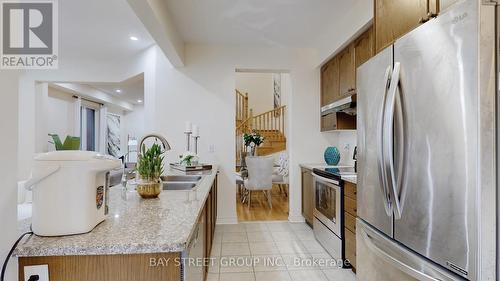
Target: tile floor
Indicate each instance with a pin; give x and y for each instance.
(271, 251)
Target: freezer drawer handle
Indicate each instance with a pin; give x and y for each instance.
(402, 266)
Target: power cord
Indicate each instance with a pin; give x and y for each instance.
(4, 267)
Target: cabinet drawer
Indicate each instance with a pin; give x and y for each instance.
(350, 247)
(350, 222)
(350, 190)
(350, 206)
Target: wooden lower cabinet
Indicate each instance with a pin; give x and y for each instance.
(211, 220)
(350, 248)
(129, 267)
(307, 196)
(108, 268)
(350, 213)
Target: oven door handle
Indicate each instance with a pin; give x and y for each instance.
(323, 179)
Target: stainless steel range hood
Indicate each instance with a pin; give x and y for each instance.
(346, 105)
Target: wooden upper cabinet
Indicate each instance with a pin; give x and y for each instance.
(396, 18)
(363, 47)
(347, 71)
(330, 81)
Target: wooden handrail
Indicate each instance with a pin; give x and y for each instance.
(270, 124)
(277, 109)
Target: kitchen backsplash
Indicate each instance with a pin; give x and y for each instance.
(345, 141)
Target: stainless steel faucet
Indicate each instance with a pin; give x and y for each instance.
(164, 141)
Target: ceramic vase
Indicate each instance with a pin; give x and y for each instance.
(332, 156)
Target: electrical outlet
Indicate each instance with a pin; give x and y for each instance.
(36, 273)
(211, 148)
(347, 146)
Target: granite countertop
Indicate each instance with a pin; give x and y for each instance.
(134, 226)
(350, 178)
(310, 166)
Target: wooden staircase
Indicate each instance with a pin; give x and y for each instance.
(274, 142)
(270, 125)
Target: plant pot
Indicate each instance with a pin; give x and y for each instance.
(149, 189)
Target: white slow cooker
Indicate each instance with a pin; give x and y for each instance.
(69, 191)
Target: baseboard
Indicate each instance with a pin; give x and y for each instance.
(227, 221)
(296, 219)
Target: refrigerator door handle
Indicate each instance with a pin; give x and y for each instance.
(380, 150)
(388, 141)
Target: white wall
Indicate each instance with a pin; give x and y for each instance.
(339, 32)
(345, 141)
(203, 93)
(133, 125)
(31, 138)
(8, 166)
(259, 87)
(60, 114)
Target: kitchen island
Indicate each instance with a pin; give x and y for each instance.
(140, 240)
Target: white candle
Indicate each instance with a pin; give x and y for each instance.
(188, 127)
(196, 131)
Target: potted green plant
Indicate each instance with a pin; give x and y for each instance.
(253, 140)
(189, 158)
(149, 169)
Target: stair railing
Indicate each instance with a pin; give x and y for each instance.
(270, 124)
(241, 106)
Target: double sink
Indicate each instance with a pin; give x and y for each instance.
(180, 182)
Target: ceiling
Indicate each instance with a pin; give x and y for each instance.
(290, 23)
(100, 30)
(131, 89)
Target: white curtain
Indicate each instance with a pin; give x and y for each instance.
(103, 127)
(77, 117)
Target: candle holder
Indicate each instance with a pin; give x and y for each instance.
(188, 137)
(196, 144)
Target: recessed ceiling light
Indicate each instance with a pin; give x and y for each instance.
(118, 90)
(133, 38)
(139, 101)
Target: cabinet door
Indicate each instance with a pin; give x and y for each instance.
(328, 122)
(347, 71)
(363, 47)
(434, 7)
(307, 196)
(209, 232)
(338, 121)
(395, 18)
(329, 81)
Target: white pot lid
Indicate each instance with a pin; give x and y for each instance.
(72, 155)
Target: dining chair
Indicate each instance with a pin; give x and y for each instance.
(260, 177)
(280, 175)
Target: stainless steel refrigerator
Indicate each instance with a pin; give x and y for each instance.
(426, 152)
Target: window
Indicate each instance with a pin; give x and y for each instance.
(89, 126)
